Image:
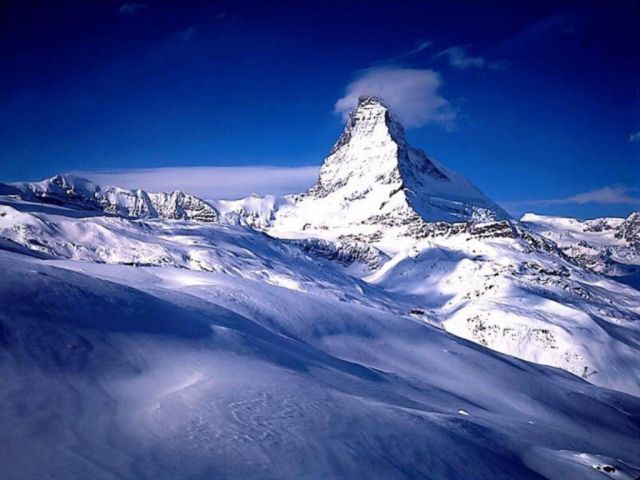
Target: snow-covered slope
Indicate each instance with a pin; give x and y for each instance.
(629, 230)
(111, 371)
(495, 284)
(606, 245)
(514, 296)
(373, 187)
(79, 193)
(147, 348)
(55, 232)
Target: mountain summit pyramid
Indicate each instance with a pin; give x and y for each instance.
(374, 186)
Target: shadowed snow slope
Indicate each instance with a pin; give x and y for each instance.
(112, 371)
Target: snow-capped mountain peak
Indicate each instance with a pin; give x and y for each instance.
(375, 187)
(373, 150)
(372, 117)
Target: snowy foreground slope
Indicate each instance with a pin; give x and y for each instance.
(495, 284)
(113, 371)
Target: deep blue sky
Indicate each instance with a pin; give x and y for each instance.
(545, 107)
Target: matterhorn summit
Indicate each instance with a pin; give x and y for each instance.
(375, 187)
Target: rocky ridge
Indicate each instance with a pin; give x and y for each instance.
(79, 193)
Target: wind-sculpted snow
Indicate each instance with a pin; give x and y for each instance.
(112, 371)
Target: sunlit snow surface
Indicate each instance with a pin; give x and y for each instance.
(570, 306)
(171, 349)
(607, 245)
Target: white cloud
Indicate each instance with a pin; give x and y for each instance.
(132, 8)
(614, 195)
(420, 46)
(188, 33)
(210, 183)
(411, 93)
(423, 45)
(458, 58)
(634, 137)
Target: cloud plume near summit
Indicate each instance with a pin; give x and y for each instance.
(413, 94)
